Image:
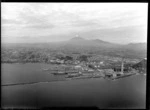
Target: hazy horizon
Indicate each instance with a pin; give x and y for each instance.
(120, 23)
(67, 41)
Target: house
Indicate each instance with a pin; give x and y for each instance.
(101, 63)
(77, 66)
(90, 70)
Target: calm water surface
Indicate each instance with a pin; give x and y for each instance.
(129, 92)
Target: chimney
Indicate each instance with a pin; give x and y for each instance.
(122, 66)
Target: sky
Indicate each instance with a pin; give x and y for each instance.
(52, 22)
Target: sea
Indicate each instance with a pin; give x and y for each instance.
(54, 91)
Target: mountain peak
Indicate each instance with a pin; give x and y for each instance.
(77, 39)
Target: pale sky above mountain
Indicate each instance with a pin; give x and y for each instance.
(49, 22)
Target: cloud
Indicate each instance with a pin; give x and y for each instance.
(85, 23)
(10, 21)
(41, 26)
(50, 19)
(26, 17)
(120, 35)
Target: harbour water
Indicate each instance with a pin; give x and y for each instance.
(128, 92)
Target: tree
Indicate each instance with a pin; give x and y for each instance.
(59, 56)
(68, 58)
(83, 58)
(91, 66)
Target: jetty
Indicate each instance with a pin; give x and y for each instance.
(122, 76)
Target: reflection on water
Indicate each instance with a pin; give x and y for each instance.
(129, 92)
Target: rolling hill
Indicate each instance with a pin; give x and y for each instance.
(142, 65)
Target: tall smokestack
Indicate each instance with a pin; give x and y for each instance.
(122, 66)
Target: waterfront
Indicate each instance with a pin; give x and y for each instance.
(129, 92)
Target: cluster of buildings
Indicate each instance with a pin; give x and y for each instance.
(76, 62)
(94, 68)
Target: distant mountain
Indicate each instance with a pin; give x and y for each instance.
(77, 39)
(81, 42)
(96, 46)
(131, 44)
(137, 46)
(99, 41)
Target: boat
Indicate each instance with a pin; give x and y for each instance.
(60, 73)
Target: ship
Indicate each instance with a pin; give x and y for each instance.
(60, 73)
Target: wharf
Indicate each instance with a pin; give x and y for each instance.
(83, 76)
(122, 76)
(57, 72)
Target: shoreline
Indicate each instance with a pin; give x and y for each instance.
(66, 79)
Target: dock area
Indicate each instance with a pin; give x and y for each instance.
(83, 71)
(122, 76)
